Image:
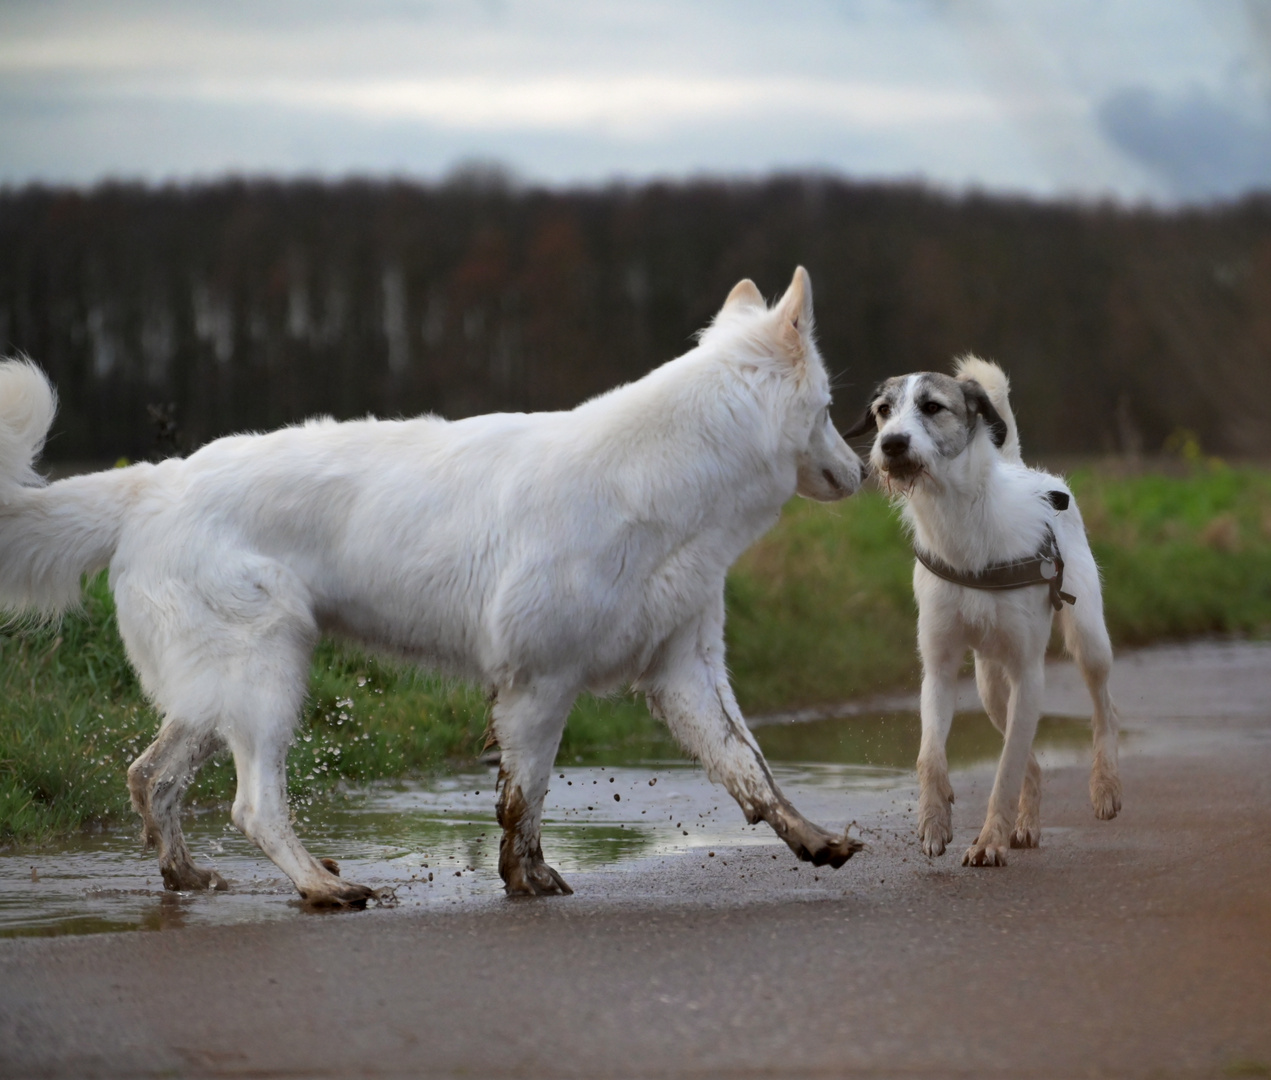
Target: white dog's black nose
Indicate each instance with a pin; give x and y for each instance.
(894, 445)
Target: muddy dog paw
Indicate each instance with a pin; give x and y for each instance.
(808, 841)
(1028, 829)
(984, 855)
(990, 847)
(184, 876)
(1026, 834)
(531, 876)
(334, 892)
(935, 829)
(1105, 795)
(935, 818)
(832, 851)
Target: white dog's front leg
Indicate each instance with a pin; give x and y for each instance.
(527, 725)
(689, 690)
(939, 699)
(1024, 710)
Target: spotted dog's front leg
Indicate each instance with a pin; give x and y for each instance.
(939, 697)
(527, 723)
(688, 689)
(1023, 712)
(995, 693)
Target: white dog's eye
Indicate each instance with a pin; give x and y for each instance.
(932, 407)
(883, 410)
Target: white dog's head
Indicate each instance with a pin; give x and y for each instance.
(926, 422)
(827, 468)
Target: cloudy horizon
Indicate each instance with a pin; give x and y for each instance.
(1163, 103)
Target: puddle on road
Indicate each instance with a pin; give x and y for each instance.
(436, 840)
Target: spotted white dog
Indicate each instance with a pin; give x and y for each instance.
(1000, 549)
(540, 554)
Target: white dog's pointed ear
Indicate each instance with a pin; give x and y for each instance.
(745, 294)
(794, 311)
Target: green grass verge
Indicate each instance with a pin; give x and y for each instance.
(819, 610)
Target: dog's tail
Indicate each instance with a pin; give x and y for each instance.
(49, 536)
(998, 388)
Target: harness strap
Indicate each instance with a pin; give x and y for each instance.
(1044, 568)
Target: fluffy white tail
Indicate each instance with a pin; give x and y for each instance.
(49, 536)
(998, 388)
(27, 407)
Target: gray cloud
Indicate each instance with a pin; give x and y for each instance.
(1200, 147)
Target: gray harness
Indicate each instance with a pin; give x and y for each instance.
(1044, 568)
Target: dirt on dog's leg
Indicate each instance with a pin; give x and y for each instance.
(995, 693)
(157, 780)
(689, 690)
(527, 723)
(937, 702)
(1023, 712)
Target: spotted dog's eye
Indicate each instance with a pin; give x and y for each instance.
(932, 407)
(883, 410)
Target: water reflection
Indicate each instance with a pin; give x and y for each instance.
(890, 740)
(435, 841)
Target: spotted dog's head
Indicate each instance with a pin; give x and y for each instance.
(925, 421)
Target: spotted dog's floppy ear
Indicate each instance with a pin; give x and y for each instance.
(978, 404)
(866, 422)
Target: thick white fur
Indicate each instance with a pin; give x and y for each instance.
(979, 507)
(539, 554)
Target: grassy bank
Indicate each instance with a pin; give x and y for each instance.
(819, 610)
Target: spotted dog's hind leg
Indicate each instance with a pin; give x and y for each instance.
(527, 723)
(995, 693)
(688, 688)
(1086, 639)
(157, 780)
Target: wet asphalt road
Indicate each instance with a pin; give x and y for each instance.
(1135, 948)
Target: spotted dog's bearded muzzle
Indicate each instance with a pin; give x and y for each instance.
(893, 459)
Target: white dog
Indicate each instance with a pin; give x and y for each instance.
(1000, 548)
(540, 554)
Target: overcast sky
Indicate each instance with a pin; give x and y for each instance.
(1162, 100)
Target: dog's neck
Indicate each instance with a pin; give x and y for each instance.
(979, 510)
(727, 464)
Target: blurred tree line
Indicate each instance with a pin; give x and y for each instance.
(168, 316)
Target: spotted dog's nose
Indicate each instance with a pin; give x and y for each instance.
(894, 445)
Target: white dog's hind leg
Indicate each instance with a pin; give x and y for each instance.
(527, 724)
(156, 781)
(1086, 638)
(938, 700)
(995, 693)
(689, 690)
(1023, 712)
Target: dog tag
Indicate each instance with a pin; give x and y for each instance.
(1047, 569)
